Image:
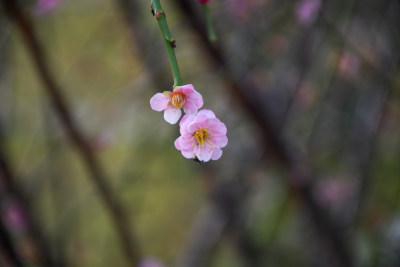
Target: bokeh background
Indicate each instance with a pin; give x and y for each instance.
(308, 89)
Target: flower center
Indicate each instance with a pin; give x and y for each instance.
(177, 99)
(201, 136)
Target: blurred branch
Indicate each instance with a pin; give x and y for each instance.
(365, 143)
(368, 113)
(327, 92)
(33, 229)
(212, 36)
(340, 37)
(8, 248)
(54, 93)
(368, 126)
(298, 176)
(281, 212)
(57, 172)
(204, 237)
(303, 63)
(224, 213)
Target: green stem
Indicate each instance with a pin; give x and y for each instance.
(169, 41)
(212, 36)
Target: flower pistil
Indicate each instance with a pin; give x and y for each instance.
(177, 99)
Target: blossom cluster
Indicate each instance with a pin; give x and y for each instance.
(202, 133)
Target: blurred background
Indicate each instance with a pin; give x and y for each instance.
(308, 89)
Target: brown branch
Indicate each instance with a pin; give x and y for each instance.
(298, 177)
(22, 22)
(204, 237)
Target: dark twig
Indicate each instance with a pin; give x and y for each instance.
(54, 93)
(298, 177)
(328, 91)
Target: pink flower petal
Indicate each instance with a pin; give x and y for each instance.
(190, 107)
(159, 102)
(217, 127)
(220, 141)
(184, 122)
(206, 112)
(200, 120)
(217, 153)
(197, 99)
(177, 143)
(187, 89)
(178, 89)
(188, 154)
(194, 125)
(172, 115)
(186, 142)
(204, 153)
(194, 100)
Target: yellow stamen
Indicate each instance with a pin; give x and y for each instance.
(202, 136)
(177, 99)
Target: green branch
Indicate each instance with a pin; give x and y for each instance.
(212, 36)
(169, 41)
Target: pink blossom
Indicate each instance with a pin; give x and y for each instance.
(13, 216)
(203, 1)
(150, 262)
(44, 6)
(306, 11)
(202, 136)
(184, 96)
